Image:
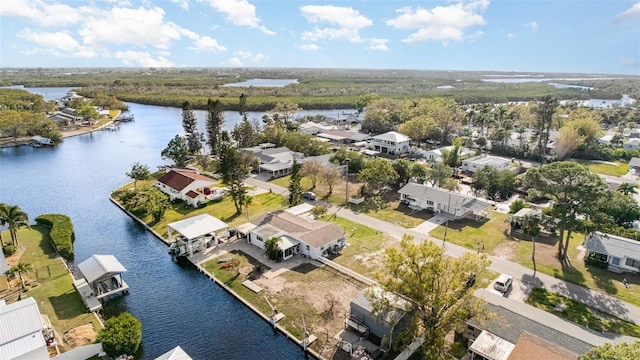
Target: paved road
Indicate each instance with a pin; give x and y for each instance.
(523, 277)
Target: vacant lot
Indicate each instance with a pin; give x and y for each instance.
(489, 233)
(608, 169)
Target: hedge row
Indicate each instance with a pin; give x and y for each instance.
(61, 233)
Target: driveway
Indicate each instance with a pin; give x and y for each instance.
(430, 224)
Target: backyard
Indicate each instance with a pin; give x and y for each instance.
(51, 286)
(611, 169)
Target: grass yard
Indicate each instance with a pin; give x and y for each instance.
(50, 283)
(606, 169)
(580, 314)
(337, 197)
(490, 232)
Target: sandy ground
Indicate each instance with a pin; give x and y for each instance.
(80, 336)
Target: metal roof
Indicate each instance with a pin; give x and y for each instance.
(362, 300)
(444, 197)
(486, 160)
(3, 264)
(174, 354)
(313, 233)
(612, 245)
(20, 328)
(198, 225)
(392, 136)
(300, 209)
(100, 266)
(491, 346)
(634, 162)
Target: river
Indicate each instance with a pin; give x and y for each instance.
(175, 303)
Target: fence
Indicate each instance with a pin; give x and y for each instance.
(346, 271)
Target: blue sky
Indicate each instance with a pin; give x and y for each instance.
(601, 36)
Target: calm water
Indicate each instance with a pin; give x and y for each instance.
(176, 304)
(264, 83)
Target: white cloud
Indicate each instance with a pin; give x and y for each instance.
(344, 22)
(631, 13)
(182, 3)
(311, 47)
(45, 14)
(206, 44)
(511, 35)
(630, 61)
(442, 23)
(378, 44)
(531, 25)
(248, 55)
(142, 58)
(59, 44)
(240, 13)
(234, 61)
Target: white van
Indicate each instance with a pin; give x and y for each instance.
(503, 283)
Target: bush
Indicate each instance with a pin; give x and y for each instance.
(516, 206)
(121, 334)
(9, 250)
(61, 233)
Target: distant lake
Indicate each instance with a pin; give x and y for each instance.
(565, 86)
(264, 83)
(543, 79)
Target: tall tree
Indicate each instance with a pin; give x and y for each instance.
(330, 176)
(21, 269)
(544, 115)
(139, 172)
(451, 157)
(438, 174)
(14, 218)
(379, 173)
(574, 190)
(363, 101)
(177, 150)
(233, 166)
(436, 287)
(312, 170)
(295, 188)
(567, 142)
(285, 112)
(609, 351)
(190, 126)
(628, 188)
(215, 120)
(403, 169)
(121, 335)
(245, 133)
(419, 172)
(530, 225)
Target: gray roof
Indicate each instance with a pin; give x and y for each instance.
(442, 196)
(634, 162)
(612, 245)
(98, 267)
(3, 264)
(313, 233)
(362, 301)
(515, 318)
(174, 354)
(486, 160)
(20, 328)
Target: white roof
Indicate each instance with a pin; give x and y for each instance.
(285, 242)
(174, 354)
(300, 209)
(3, 264)
(487, 160)
(613, 245)
(491, 346)
(100, 266)
(20, 328)
(198, 225)
(393, 137)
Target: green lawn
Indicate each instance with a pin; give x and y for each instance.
(489, 232)
(50, 283)
(613, 170)
(580, 314)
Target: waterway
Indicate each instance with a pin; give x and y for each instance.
(175, 303)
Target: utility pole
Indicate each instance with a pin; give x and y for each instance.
(346, 200)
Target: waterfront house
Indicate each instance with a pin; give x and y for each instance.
(196, 233)
(478, 162)
(276, 162)
(632, 144)
(174, 354)
(23, 333)
(343, 137)
(435, 155)
(314, 128)
(64, 119)
(102, 278)
(519, 329)
(621, 254)
(297, 235)
(420, 196)
(391, 142)
(189, 185)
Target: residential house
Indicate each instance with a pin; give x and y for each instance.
(343, 137)
(420, 196)
(276, 162)
(64, 118)
(632, 144)
(174, 354)
(391, 142)
(519, 329)
(606, 139)
(23, 333)
(435, 155)
(634, 165)
(622, 254)
(195, 233)
(478, 162)
(102, 278)
(634, 133)
(189, 185)
(297, 235)
(313, 128)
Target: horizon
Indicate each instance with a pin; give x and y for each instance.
(573, 36)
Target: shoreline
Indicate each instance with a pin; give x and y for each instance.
(290, 336)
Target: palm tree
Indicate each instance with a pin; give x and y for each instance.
(21, 269)
(530, 225)
(2, 224)
(246, 201)
(628, 188)
(14, 217)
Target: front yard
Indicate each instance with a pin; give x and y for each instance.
(489, 232)
(619, 169)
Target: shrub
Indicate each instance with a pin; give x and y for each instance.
(61, 233)
(121, 334)
(516, 206)
(9, 250)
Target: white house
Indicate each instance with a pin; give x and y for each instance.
(632, 144)
(297, 235)
(188, 185)
(435, 155)
(391, 142)
(195, 233)
(102, 279)
(22, 331)
(478, 162)
(622, 254)
(313, 128)
(277, 162)
(419, 196)
(174, 354)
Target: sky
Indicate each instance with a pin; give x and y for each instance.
(578, 36)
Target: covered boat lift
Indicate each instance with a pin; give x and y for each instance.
(196, 234)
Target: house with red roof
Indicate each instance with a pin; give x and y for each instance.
(189, 185)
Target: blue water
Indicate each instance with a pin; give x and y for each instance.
(175, 303)
(264, 83)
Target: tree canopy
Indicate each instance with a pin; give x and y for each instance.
(177, 150)
(121, 334)
(614, 352)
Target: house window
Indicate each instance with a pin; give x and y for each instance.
(633, 263)
(615, 260)
(429, 202)
(308, 247)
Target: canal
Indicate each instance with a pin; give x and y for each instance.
(175, 303)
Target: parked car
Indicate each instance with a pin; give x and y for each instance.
(503, 283)
(309, 195)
